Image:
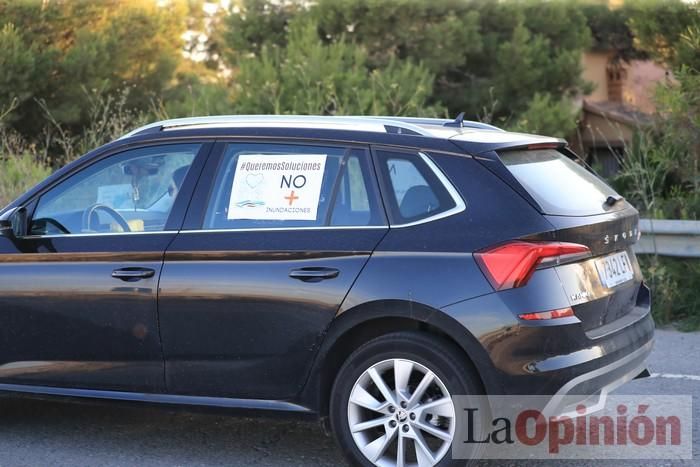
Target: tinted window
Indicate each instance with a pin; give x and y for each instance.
(283, 186)
(130, 191)
(559, 185)
(414, 190)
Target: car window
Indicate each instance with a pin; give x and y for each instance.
(282, 186)
(559, 185)
(414, 190)
(132, 191)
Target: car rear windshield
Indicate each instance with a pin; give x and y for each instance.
(559, 185)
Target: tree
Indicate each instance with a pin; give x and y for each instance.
(667, 30)
(489, 59)
(440, 34)
(546, 116)
(610, 31)
(670, 32)
(78, 49)
(254, 24)
(21, 66)
(308, 76)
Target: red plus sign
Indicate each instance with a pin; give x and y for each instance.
(291, 197)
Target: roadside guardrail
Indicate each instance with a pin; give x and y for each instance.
(669, 238)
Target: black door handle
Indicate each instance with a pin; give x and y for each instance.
(313, 274)
(133, 274)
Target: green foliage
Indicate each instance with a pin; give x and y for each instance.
(20, 66)
(21, 164)
(405, 29)
(109, 117)
(673, 301)
(507, 57)
(303, 78)
(679, 103)
(546, 116)
(136, 48)
(197, 93)
(610, 30)
(24, 163)
(18, 173)
(260, 23)
(663, 29)
(661, 170)
(525, 63)
(59, 48)
(646, 169)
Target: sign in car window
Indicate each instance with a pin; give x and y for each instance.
(116, 196)
(277, 186)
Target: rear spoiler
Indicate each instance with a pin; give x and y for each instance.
(516, 141)
(488, 157)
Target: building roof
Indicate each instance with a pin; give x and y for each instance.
(617, 112)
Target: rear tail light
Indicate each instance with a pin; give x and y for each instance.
(562, 313)
(512, 264)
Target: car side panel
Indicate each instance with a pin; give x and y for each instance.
(435, 274)
(65, 321)
(235, 324)
(438, 273)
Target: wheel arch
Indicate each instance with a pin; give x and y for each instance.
(359, 324)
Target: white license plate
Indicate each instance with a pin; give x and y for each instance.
(615, 269)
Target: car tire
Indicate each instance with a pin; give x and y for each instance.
(386, 359)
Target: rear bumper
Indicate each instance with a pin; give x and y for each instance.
(581, 366)
(591, 389)
(557, 358)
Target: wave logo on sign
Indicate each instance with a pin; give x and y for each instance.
(253, 181)
(250, 204)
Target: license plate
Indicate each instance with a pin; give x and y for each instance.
(614, 269)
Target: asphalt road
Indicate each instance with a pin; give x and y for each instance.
(37, 433)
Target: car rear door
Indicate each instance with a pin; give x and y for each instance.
(274, 238)
(78, 294)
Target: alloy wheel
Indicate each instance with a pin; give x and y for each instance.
(401, 414)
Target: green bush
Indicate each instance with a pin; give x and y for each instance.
(309, 76)
(18, 173)
(675, 300)
(24, 163)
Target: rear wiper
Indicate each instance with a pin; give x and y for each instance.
(612, 200)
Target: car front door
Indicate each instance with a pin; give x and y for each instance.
(78, 293)
(274, 238)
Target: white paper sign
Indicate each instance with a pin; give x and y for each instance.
(116, 196)
(277, 186)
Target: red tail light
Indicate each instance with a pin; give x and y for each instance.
(562, 313)
(511, 265)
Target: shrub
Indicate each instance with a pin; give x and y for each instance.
(18, 173)
(674, 300)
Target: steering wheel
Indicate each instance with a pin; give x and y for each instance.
(88, 213)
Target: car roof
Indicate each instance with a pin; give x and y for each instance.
(424, 134)
(466, 134)
(382, 124)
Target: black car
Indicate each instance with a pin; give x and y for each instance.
(358, 270)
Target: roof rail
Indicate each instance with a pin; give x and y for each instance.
(442, 122)
(357, 123)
